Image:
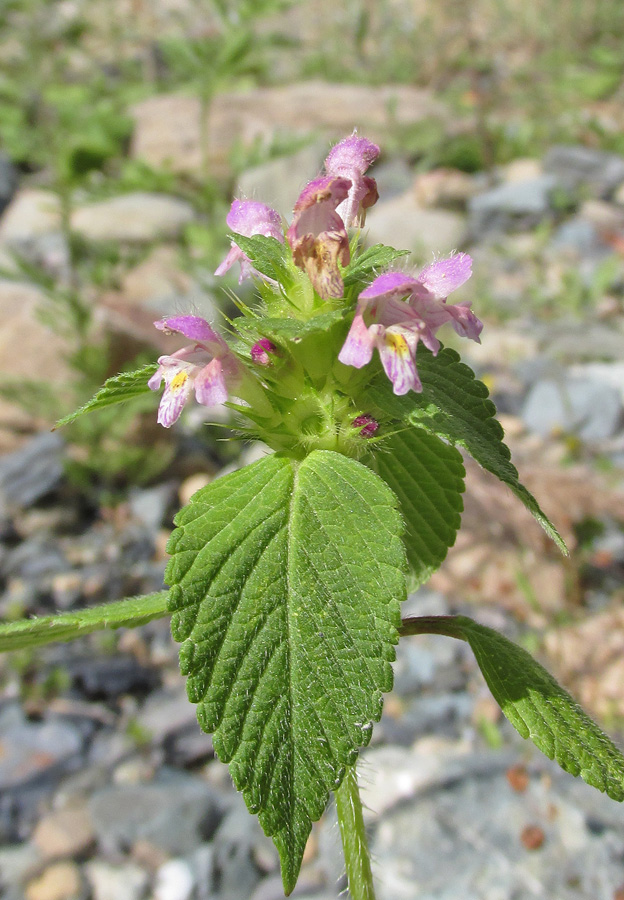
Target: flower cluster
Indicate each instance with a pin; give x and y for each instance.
(392, 314)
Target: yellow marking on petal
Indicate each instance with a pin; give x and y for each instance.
(397, 343)
(178, 381)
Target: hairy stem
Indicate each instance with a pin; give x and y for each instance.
(353, 834)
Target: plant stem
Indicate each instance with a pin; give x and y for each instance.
(353, 834)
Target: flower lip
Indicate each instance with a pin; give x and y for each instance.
(332, 188)
(446, 275)
(249, 217)
(353, 154)
(396, 283)
(192, 327)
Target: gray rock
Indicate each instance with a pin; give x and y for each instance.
(175, 813)
(280, 181)
(445, 714)
(580, 237)
(202, 863)
(465, 840)
(8, 181)
(588, 408)
(108, 882)
(175, 880)
(111, 676)
(33, 758)
(149, 506)
(31, 472)
(575, 167)
(402, 223)
(138, 217)
(235, 871)
(511, 203)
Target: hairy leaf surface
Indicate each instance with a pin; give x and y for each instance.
(67, 626)
(454, 405)
(115, 390)
(291, 329)
(427, 476)
(266, 254)
(535, 703)
(374, 259)
(286, 580)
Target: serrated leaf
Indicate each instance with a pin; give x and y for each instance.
(454, 405)
(427, 476)
(121, 387)
(372, 260)
(68, 626)
(291, 329)
(266, 254)
(286, 581)
(535, 703)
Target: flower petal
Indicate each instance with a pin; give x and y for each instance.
(464, 320)
(234, 255)
(357, 350)
(177, 391)
(193, 327)
(397, 351)
(350, 159)
(210, 386)
(446, 275)
(397, 284)
(249, 217)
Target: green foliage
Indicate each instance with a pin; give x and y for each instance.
(286, 580)
(454, 405)
(67, 626)
(125, 386)
(268, 255)
(290, 329)
(428, 478)
(374, 259)
(535, 704)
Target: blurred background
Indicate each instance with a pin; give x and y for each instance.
(126, 128)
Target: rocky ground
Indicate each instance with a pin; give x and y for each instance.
(107, 787)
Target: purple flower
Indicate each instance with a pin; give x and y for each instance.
(318, 236)
(248, 217)
(206, 367)
(260, 352)
(350, 159)
(403, 310)
(367, 425)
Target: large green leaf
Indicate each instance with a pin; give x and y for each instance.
(68, 626)
(286, 581)
(427, 476)
(294, 330)
(115, 390)
(535, 703)
(454, 405)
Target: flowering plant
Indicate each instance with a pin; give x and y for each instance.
(286, 577)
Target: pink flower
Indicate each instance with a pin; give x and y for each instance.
(206, 367)
(260, 352)
(367, 425)
(318, 236)
(248, 217)
(350, 159)
(403, 310)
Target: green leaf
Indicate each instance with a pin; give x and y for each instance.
(266, 254)
(286, 581)
(370, 261)
(535, 703)
(67, 626)
(290, 329)
(454, 405)
(115, 390)
(427, 476)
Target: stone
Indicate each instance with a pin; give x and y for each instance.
(594, 170)
(112, 676)
(582, 406)
(175, 813)
(60, 881)
(139, 217)
(523, 169)
(167, 126)
(233, 854)
(24, 339)
(403, 224)
(32, 472)
(32, 212)
(64, 833)
(523, 203)
(175, 880)
(108, 882)
(578, 236)
(8, 181)
(17, 864)
(610, 374)
(444, 187)
(280, 181)
(149, 506)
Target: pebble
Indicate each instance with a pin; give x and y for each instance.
(108, 882)
(585, 407)
(64, 833)
(513, 202)
(175, 880)
(575, 167)
(31, 472)
(138, 217)
(60, 881)
(234, 841)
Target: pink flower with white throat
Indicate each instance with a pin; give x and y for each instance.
(248, 217)
(207, 368)
(350, 159)
(397, 311)
(318, 236)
